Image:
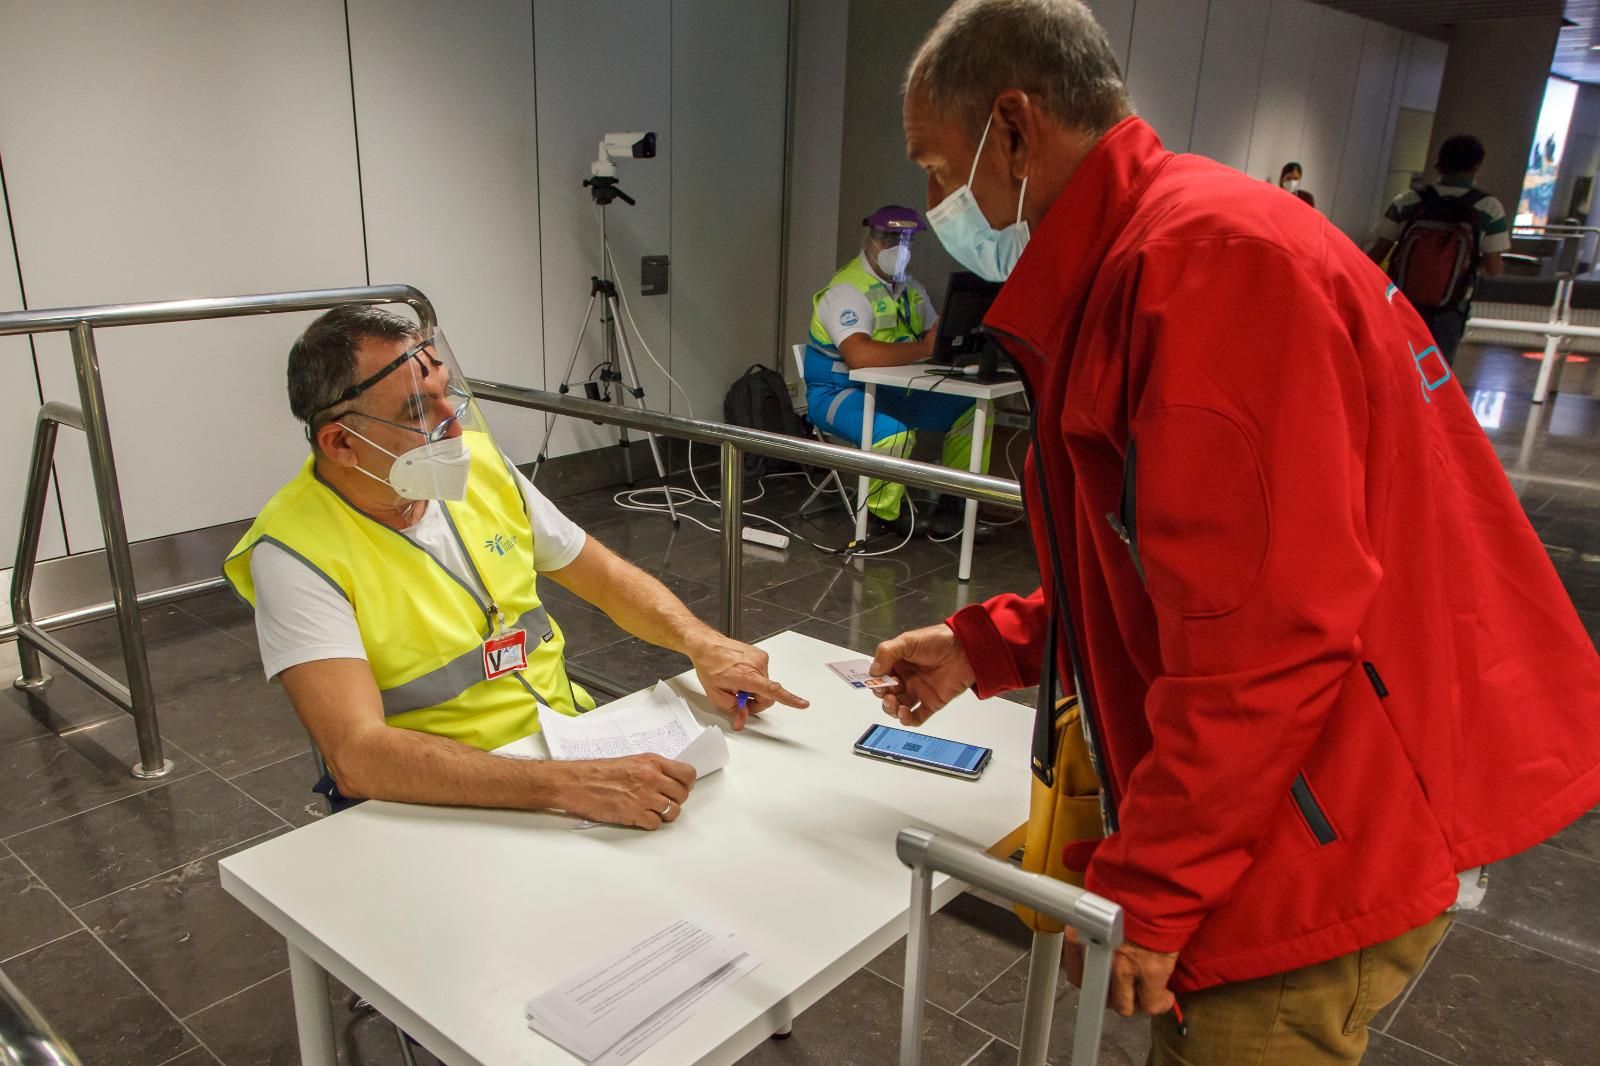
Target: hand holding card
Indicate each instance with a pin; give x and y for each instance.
(857, 673)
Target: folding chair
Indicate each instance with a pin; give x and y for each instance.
(832, 480)
(1097, 920)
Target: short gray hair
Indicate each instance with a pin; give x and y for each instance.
(322, 362)
(1053, 50)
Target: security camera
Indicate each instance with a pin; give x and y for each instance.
(634, 145)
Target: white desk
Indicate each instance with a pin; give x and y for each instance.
(449, 920)
(916, 376)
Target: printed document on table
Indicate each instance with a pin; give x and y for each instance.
(662, 725)
(621, 1006)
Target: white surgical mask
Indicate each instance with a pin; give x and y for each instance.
(1291, 185)
(966, 234)
(436, 471)
(892, 262)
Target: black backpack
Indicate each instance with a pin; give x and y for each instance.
(759, 399)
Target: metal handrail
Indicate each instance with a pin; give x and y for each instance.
(138, 696)
(26, 1039)
(1098, 922)
(733, 442)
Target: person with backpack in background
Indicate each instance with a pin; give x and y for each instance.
(874, 313)
(1442, 236)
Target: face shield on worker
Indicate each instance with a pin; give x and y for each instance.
(887, 245)
(411, 417)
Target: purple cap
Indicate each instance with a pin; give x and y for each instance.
(895, 218)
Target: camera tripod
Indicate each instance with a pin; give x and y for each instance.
(617, 376)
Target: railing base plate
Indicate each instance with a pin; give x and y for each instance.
(150, 775)
(32, 684)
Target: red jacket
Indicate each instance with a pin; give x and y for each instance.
(1332, 665)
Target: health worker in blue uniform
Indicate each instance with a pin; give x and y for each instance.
(874, 313)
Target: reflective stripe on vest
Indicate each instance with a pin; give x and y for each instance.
(462, 672)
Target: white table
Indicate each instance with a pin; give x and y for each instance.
(449, 920)
(917, 376)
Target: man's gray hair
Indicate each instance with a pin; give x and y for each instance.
(322, 362)
(1053, 50)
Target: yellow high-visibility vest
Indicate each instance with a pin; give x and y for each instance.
(423, 628)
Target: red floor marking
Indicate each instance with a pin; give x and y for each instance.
(1571, 358)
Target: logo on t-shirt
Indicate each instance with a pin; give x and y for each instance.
(500, 543)
(849, 318)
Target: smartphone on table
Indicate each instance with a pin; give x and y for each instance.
(923, 752)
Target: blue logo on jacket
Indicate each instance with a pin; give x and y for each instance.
(500, 543)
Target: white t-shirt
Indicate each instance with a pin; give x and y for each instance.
(844, 310)
(301, 618)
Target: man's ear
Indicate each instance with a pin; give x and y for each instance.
(1016, 129)
(333, 443)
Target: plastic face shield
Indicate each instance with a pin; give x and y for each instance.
(890, 251)
(415, 414)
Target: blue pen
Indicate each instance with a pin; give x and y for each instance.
(743, 698)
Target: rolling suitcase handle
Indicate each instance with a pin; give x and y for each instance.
(1097, 920)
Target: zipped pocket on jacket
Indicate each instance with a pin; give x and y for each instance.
(1311, 811)
(1124, 520)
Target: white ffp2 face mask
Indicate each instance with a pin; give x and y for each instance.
(892, 262)
(1291, 184)
(967, 235)
(436, 471)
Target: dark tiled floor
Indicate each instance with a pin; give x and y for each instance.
(112, 918)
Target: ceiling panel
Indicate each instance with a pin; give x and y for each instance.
(1576, 55)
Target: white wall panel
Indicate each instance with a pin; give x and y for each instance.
(1230, 78)
(727, 193)
(444, 99)
(1117, 18)
(19, 403)
(1424, 73)
(1163, 70)
(1355, 207)
(1331, 87)
(602, 66)
(1276, 136)
(172, 149)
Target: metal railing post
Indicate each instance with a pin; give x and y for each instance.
(46, 427)
(119, 558)
(1039, 1005)
(732, 538)
(26, 1039)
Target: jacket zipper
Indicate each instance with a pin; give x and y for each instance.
(1311, 811)
(1124, 520)
(1062, 614)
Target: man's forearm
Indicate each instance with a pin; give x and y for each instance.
(635, 601)
(411, 767)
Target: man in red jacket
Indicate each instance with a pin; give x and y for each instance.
(1324, 660)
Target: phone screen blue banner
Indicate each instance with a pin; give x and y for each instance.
(923, 748)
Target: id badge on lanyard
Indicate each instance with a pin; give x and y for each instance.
(505, 653)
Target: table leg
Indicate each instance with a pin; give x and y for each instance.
(969, 524)
(1038, 1009)
(313, 1013)
(868, 412)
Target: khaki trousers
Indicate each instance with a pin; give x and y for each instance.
(1313, 1016)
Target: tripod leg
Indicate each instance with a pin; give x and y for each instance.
(572, 361)
(628, 369)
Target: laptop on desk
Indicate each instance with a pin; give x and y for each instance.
(961, 342)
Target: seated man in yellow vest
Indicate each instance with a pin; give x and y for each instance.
(394, 585)
(874, 313)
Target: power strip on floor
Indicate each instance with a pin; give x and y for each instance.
(761, 536)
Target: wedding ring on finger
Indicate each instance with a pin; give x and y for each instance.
(666, 812)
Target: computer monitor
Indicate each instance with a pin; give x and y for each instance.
(961, 341)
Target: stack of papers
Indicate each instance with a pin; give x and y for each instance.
(612, 1012)
(661, 725)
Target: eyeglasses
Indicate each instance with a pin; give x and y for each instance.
(438, 432)
(413, 352)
